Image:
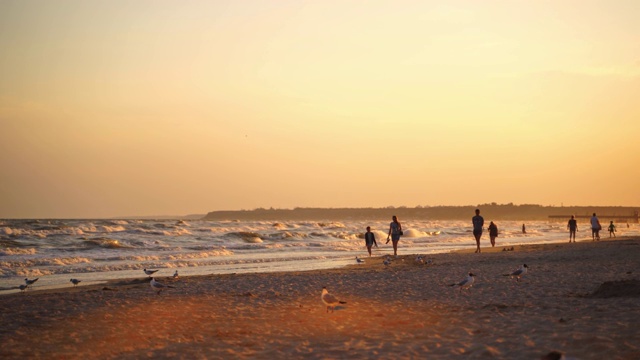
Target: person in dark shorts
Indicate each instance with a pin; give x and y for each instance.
(572, 225)
(478, 223)
(395, 231)
(493, 233)
(370, 240)
(612, 229)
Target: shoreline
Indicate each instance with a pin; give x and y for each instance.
(404, 310)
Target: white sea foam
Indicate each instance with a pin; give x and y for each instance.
(18, 251)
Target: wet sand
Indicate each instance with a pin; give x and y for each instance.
(582, 299)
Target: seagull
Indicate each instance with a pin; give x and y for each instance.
(329, 300)
(75, 281)
(158, 286)
(30, 282)
(360, 261)
(466, 283)
(23, 287)
(150, 272)
(519, 273)
(175, 274)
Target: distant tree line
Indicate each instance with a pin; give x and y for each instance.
(490, 211)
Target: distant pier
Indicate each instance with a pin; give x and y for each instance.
(618, 218)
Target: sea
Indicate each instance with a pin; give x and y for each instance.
(96, 251)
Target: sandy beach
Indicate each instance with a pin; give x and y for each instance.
(581, 299)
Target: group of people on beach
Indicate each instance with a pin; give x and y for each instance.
(595, 228)
(478, 224)
(395, 231)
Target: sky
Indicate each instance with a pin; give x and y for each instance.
(142, 108)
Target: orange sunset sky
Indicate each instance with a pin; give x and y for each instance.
(117, 108)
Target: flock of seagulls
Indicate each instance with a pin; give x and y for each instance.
(155, 285)
(468, 281)
(329, 300)
(27, 283)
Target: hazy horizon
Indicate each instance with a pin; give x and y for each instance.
(162, 107)
(400, 207)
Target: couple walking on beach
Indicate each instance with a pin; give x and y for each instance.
(395, 231)
(595, 228)
(478, 224)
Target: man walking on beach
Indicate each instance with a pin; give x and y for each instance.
(478, 223)
(595, 227)
(572, 225)
(370, 240)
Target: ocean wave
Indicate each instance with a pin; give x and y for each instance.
(287, 235)
(37, 262)
(173, 232)
(23, 271)
(171, 257)
(332, 225)
(119, 222)
(18, 251)
(247, 236)
(414, 233)
(104, 243)
(200, 255)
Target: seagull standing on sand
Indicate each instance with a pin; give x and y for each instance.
(519, 273)
(175, 274)
(158, 286)
(75, 281)
(360, 261)
(150, 272)
(30, 282)
(466, 283)
(329, 300)
(23, 287)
